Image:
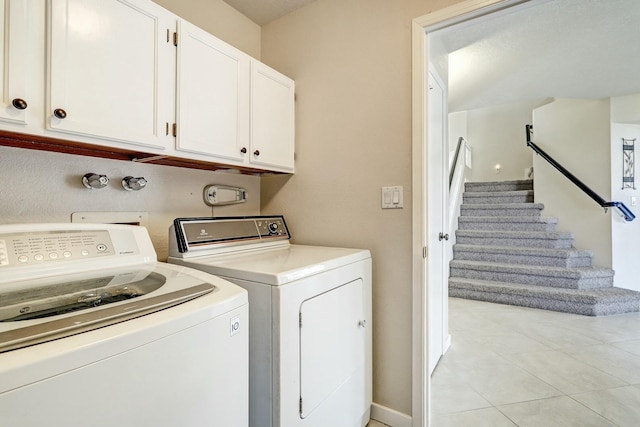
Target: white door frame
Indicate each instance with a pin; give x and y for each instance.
(437, 197)
(421, 27)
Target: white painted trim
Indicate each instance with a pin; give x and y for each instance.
(460, 12)
(389, 416)
(420, 374)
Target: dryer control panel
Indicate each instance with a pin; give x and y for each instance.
(190, 234)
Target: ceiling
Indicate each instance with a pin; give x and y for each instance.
(265, 11)
(554, 48)
(542, 49)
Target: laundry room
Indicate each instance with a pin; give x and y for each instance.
(351, 66)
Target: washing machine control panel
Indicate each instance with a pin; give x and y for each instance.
(48, 247)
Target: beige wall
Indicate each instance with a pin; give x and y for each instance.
(219, 19)
(351, 61)
(576, 133)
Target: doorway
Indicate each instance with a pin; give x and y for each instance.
(423, 313)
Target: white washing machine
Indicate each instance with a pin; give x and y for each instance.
(310, 317)
(94, 331)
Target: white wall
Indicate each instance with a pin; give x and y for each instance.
(351, 61)
(497, 136)
(626, 109)
(458, 123)
(625, 116)
(576, 133)
(38, 186)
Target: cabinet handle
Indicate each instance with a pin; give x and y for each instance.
(256, 153)
(60, 113)
(19, 103)
(243, 150)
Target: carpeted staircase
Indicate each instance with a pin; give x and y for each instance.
(506, 252)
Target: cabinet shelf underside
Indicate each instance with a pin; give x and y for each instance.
(43, 143)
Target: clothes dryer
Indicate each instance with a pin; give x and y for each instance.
(310, 317)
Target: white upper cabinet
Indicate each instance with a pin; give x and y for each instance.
(131, 79)
(111, 71)
(13, 46)
(212, 96)
(272, 118)
(230, 106)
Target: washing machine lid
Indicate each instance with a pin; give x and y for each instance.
(44, 309)
(62, 279)
(276, 266)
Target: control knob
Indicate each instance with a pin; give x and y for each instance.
(273, 227)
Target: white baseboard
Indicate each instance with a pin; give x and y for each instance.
(389, 416)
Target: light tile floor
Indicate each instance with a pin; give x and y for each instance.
(514, 366)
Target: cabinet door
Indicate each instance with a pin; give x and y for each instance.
(13, 48)
(112, 70)
(272, 118)
(213, 96)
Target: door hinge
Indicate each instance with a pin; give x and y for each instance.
(166, 128)
(174, 130)
(168, 35)
(300, 406)
(425, 252)
(175, 38)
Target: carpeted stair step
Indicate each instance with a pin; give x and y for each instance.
(501, 209)
(490, 197)
(506, 252)
(507, 223)
(567, 258)
(594, 302)
(534, 239)
(498, 186)
(570, 278)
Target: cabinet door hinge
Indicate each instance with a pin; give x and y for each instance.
(166, 128)
(175, 38)
(174, 130)
(425, 252)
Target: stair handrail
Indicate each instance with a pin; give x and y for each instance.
(624, 210)
(454, 164)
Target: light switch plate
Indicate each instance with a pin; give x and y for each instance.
(392, 197)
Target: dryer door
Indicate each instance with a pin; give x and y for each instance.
(332, 344)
